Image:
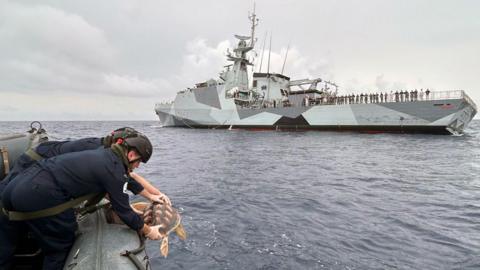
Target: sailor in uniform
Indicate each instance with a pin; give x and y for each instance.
(136, 184)
(57, 180)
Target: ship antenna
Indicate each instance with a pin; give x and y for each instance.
(269, 52)
(285, 60)
(254, 20)
(263, 50)
(268, 68)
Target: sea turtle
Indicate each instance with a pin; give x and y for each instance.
(166, 216)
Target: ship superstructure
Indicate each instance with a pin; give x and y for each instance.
(274, 101)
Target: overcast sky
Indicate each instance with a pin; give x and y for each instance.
(113, 60)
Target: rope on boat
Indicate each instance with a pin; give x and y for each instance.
(132, 254)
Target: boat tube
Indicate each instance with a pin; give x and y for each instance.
(12, 146)
(104, 243)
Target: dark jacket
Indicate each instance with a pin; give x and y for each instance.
(54, 148)
(92, 171)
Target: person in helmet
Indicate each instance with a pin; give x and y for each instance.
(137, 184)
(146, 189)
(58, 179)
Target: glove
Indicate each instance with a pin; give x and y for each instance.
(161, 198)
(154, 233)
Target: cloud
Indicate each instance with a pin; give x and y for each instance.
(297, 66)
(8, 108)
(46, 50)
(71, 106)
(201, 62)
(132, 86)
(381, 83)
(40, 31)
(366, 83)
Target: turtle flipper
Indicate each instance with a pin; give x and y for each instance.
(180, 231)
(164, 247)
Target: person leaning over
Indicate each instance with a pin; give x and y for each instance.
(137, 184)
(57, 180)
(10, 232)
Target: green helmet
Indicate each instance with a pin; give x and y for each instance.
(141, 144)
(120, 133)
(123, 133)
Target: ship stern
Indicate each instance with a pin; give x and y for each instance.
(464, 116)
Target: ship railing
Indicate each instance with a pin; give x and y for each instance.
(430, 95)
(164, 103)
(380, 97)
(450, 94)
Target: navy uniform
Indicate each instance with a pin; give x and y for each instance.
(59, 179)
(55, 148)
(51, 149)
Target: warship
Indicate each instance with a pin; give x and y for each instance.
(275, 101)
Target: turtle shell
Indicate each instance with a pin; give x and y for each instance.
(161, 214)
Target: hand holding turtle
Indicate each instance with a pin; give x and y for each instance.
(161, 198)
(152, 232)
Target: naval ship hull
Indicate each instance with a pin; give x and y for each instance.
(442, 116)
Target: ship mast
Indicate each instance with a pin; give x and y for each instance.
(236, 78)
(254, 20)
(268, 68)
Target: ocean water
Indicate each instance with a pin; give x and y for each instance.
(310, 200)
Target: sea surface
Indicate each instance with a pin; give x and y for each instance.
(310, 200)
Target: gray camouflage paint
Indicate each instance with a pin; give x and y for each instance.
(416, 116)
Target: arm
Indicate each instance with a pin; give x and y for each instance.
(146, 185)
(149, 191)
(120, 202)
(131, 217)
(138, 189)
(147, 195)
(155, 197)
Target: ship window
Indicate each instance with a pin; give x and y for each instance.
(264, 87)
(254, 83)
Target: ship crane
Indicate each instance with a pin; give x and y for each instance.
(301, 83)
